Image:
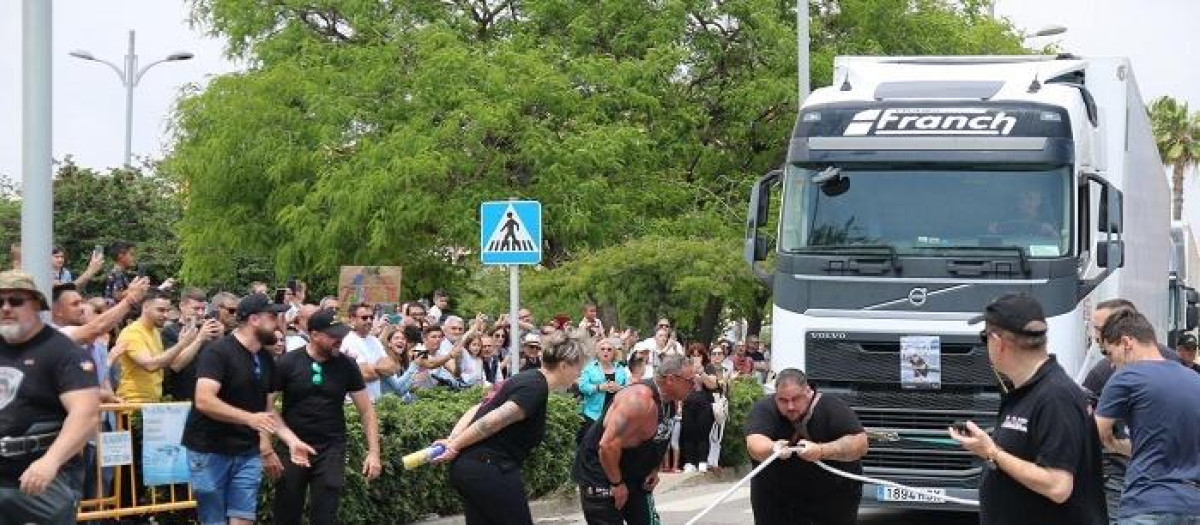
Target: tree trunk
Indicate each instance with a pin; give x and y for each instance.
(754, 320)
(1177, 190)
(706, 328)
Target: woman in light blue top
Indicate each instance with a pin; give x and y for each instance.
(600, 380)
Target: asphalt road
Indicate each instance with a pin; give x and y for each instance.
(679, 506)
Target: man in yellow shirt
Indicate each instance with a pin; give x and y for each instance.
(144, 358)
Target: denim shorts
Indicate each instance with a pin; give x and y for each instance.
(225, 486)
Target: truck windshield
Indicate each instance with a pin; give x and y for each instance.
(919, 211)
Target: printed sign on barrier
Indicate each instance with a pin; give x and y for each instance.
(164, 460)
(116, 448)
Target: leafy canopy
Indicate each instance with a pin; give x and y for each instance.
(368, 131)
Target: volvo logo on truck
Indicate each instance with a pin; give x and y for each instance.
(930, 121)
(827, 335)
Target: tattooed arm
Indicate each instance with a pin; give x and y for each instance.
(846, 448)
(488, 425)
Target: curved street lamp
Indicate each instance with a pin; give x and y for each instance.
(130, 76)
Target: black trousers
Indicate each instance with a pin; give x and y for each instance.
(775, 508)
(584, 424)
(601, 508)
(323, 482)
(55, 506)
(697, 424)
(492, 489)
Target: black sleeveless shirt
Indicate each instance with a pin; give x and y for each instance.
(637, 463)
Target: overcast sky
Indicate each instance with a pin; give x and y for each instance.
(89, 99)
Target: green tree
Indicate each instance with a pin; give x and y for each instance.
(10, 219)
(93, 208)
(1177, 135)
(368, 132)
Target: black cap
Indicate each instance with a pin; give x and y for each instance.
(326, 322)
(258, 304)
(1187, 340)
(1013, 312)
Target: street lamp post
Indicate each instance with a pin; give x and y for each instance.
(130, 76)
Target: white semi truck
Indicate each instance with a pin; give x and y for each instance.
(915, 190)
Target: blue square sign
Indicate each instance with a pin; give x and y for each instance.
(511, 232)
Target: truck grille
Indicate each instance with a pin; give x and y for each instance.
(864, 371)
(964, 364)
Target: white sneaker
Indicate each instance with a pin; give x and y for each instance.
(703, 467)
(689, 468)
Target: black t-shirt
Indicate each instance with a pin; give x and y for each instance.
(314, 412)
(32, 376)
(608, 396)
(1046, 422)
(514, 442)
(233, 366)
(530, 362)
(795, 478)
(182, 384)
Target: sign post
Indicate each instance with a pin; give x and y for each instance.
(510, 234)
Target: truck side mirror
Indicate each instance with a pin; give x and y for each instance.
(760, 248)
(1111, 202)
(1110, 254)
(762, 202)
(755, 248)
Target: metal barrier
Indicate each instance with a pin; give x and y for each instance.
(125, 496)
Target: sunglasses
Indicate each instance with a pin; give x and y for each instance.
(229, 309)
(257, 368)
(366, 317)
(16, 301)
(318, 374)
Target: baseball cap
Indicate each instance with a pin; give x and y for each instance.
(258, 304)
(326, 322)
(1014, 312)
(1187, 340)
(18, 280)
(532, 340)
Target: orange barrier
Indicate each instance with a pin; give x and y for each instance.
(122, 498)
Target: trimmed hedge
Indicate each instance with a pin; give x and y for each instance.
(742, 395)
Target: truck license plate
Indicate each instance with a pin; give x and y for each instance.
(895, 494)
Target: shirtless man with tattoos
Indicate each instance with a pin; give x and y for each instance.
(616, 464)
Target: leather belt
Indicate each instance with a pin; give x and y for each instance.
(15, 447)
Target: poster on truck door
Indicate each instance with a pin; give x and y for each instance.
(921, 362)
(164, 460)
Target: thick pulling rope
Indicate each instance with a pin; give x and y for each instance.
(837, 472)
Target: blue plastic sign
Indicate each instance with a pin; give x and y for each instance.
(510, 232)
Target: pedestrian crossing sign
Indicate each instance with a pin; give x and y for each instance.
(511, 232)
